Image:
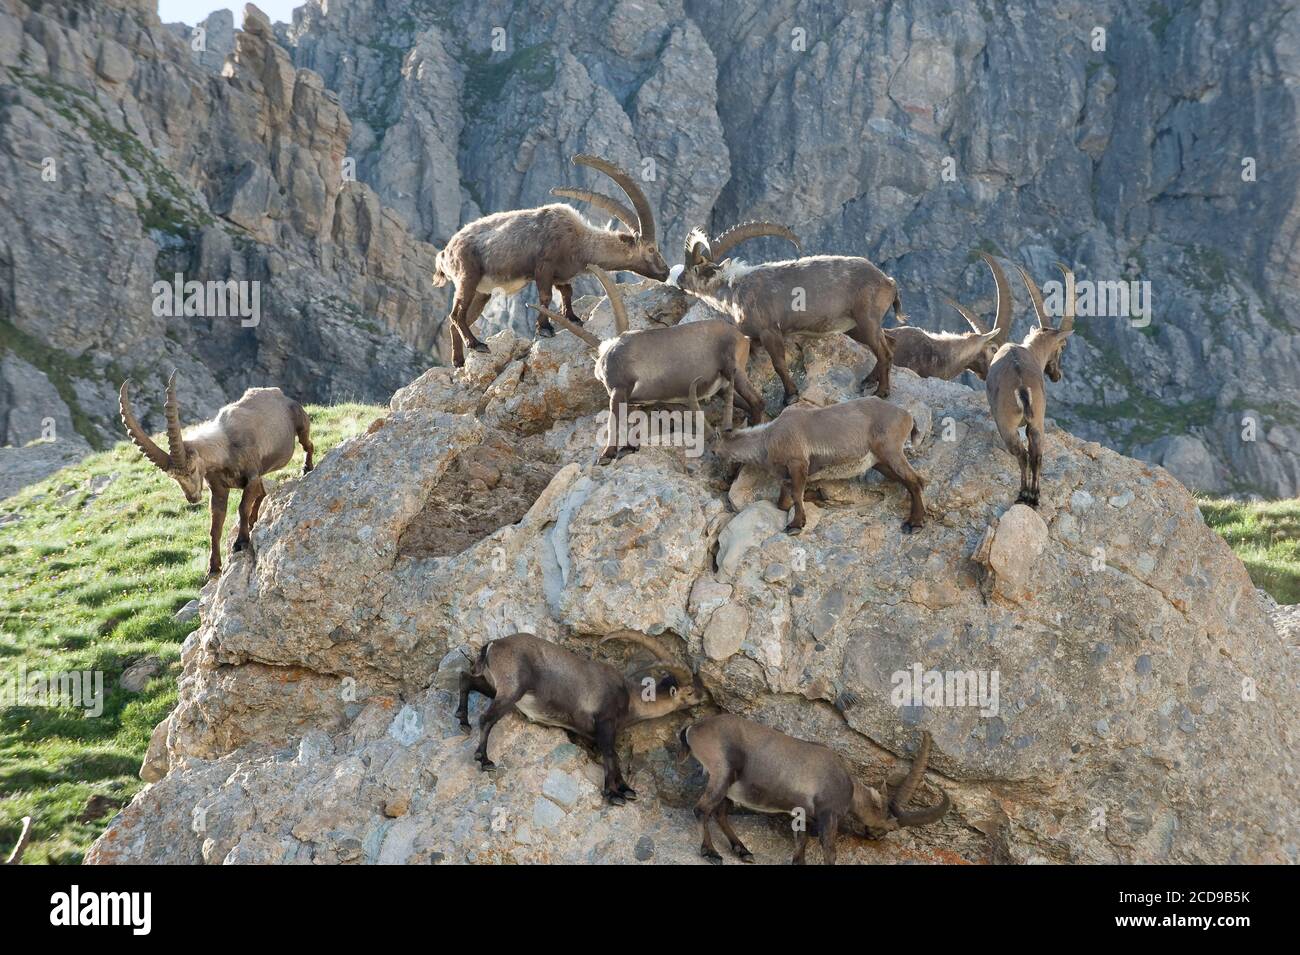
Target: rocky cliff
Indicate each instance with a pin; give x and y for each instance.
(1155, 151)
(1143, 709)
(126, 158)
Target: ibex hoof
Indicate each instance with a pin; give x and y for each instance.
(713, 857)
(545, 331)
(790, 399)
(485, 764)
(464, 723)
(628, 793)
(615, 799)
(794, 531)
(745, 855)
(481, 347)
(574, 318)
(910, 528)
(239, 545)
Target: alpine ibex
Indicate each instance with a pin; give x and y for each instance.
(557, 687)
(838, 442)
(767, 771)
(1016, 391)
(815, 295)
(246, 439)
(946, 355)
(658, 365)
(548, 246)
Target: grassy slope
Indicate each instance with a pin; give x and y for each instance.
(91, 583)
(1266, 536)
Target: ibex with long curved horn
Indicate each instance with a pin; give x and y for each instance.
(657, 366)
(946, 355)
(554, 686)
(1016, 391)
(548, 246)
(767, 771)
(838, 442)
(246, 439)
(815, 295)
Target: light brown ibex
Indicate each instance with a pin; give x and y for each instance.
(762, 769)
(945, 354)
(548, 246)
(552, 685)
(246, 439)
(815, 295)
(1017, 393)
(837, 442)
(658, 365)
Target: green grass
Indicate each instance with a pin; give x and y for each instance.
(90, 584)
(1266, 536)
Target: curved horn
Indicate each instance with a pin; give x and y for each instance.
(913, 778)
(971, 318)
(1037, 297)
(157, 455)
(667, 656)
(175, 443)
(17, 855)
(750, 230)
(645, 218)
(1067, 307)
(1005, 315)
(615, 298)
(923, 817)
(697, 248)
(611, 207)
(568, 326)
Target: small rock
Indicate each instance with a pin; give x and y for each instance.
(561, 787)
(546, 815)
(1122, 500)
(726, 631)
(186, 613)
(645, 849)
(139, 673)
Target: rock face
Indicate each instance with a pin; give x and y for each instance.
(123, 162)
(1101, 680)
(909, 132)
(1152, 152)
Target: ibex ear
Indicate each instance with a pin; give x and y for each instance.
(988, 337)
(667, 685)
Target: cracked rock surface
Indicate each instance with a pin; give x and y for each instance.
(1145, 707)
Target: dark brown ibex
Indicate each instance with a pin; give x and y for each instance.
(1016, 391)
(838, 442)
(946, 355)
(246, 439)
(816, 295)
(658, 365)
(554, 686)
(759, 768)
(548, 246)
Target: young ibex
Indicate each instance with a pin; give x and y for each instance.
(1016, 391)
(557, 687)
(548, 245)
(946, 355)
(838, 442)
(658, 365)
(767, 771)
(816, 295)
(246, 440)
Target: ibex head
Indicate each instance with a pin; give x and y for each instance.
(997, 337)
(884, 812)
(177, 462)
(676, 686)
(1046, 340)
(706, 263)
(643, 253)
